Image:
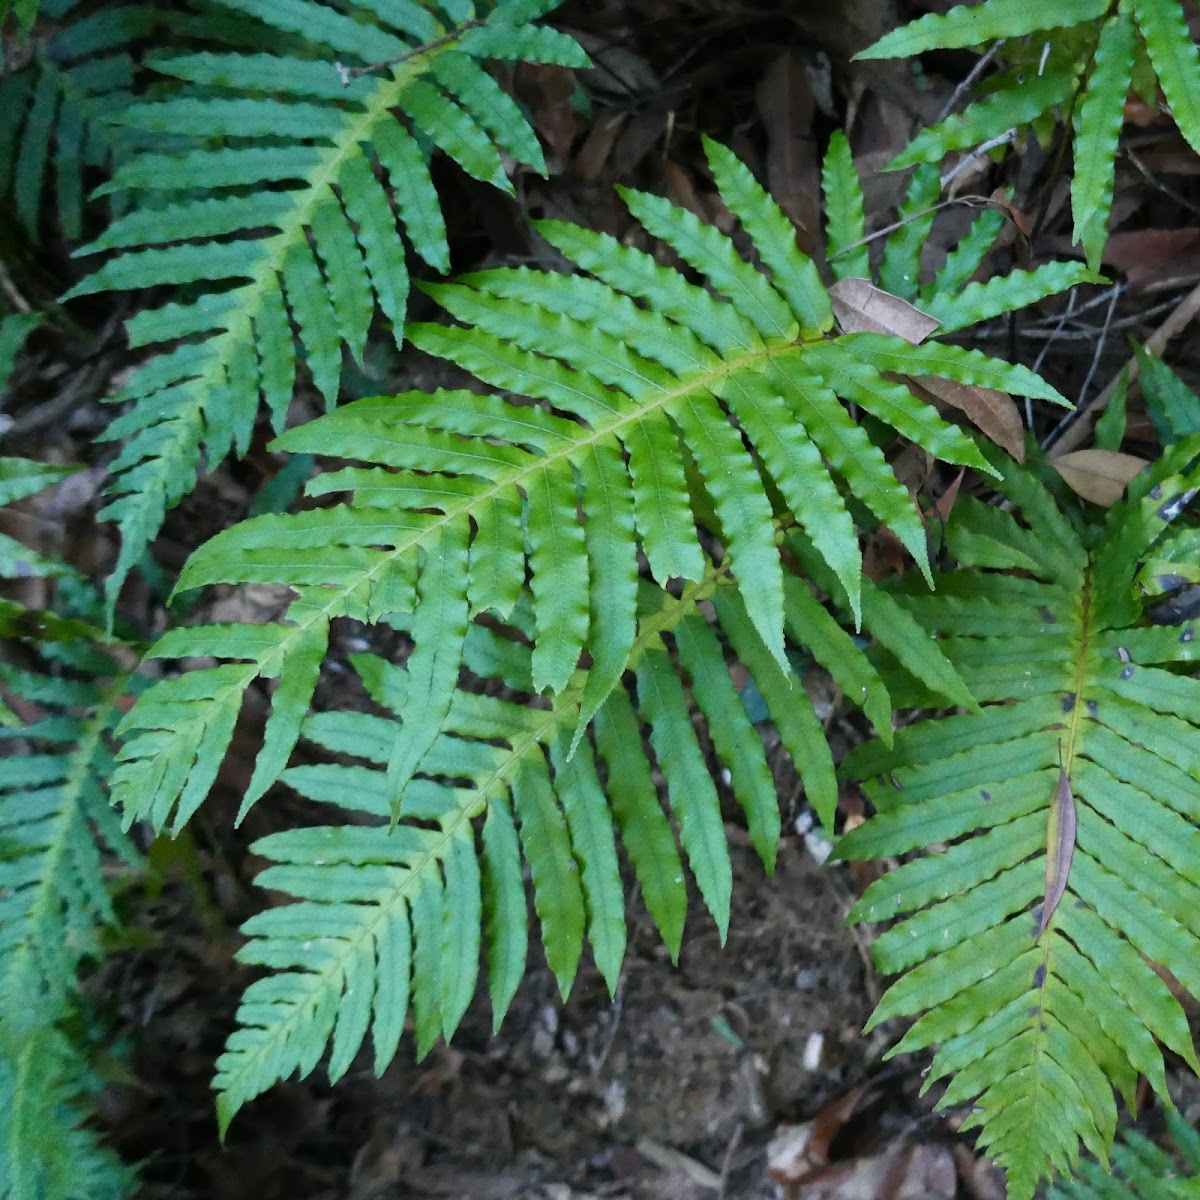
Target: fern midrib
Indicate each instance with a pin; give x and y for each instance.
(317, 187)
(333, 603)
(24, 959)
(55, 856)
(1069, 751)
(538, 733)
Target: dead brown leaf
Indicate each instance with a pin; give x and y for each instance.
(993, 413)
(1098, 475)
(1147, 257)
(861, 307)
(785, 100)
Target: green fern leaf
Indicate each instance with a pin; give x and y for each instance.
(976, 24)
(55, 824)
(988, 119)
(1039, 1012)
(900, 269)
(1140, 1169)
(1176, 61)
(59, 116)
(846, 231)
(981, 301)
(1097, 130)
(310, 173)
(1086, 67)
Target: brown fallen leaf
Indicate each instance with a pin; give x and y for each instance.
(861, 307)
(1060, 845)
(1098, 475)
(993, 413)
(786, 103)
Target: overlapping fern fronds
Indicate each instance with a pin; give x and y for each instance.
(382, 913)
(655, 406)
(1068, 809)
(1091, 54)
(270, 208)
(1140, 1169)
(59, 701)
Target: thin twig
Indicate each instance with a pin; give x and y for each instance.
(1082, 419)
(1037, 366)
(11, 290)
(969, 201)
(1100, 344)
(1002, 139)
(978, 69)
(727, 1160)
(346, 74)
(1101, 341)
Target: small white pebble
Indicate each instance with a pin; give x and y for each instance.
(813, 1049)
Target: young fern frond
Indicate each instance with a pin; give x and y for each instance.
(1096, 49)
(53, 893)
(655, 406)
(285, 232)
(387, 919)
(1068, 808)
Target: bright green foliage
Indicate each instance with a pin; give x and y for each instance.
(1140, 1169)
(1068, 812)
(390, 919)
(268, 206)
(654, 409)
(638, 415)
(53, 893)
(1084, 66)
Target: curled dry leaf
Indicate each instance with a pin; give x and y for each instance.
(861, 307)
(1098, 475)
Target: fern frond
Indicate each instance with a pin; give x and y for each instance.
(1068, 808)
(303, 162)
(55, 821)
(53, 801)
(46, 1150)
(652, 414)
(60, 115)
(1140, 1169)
(1097, 50)
(387, 919)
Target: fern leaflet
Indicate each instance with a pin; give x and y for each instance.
(1140, 1169)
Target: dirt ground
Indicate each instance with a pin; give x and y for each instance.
(672, 1089)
